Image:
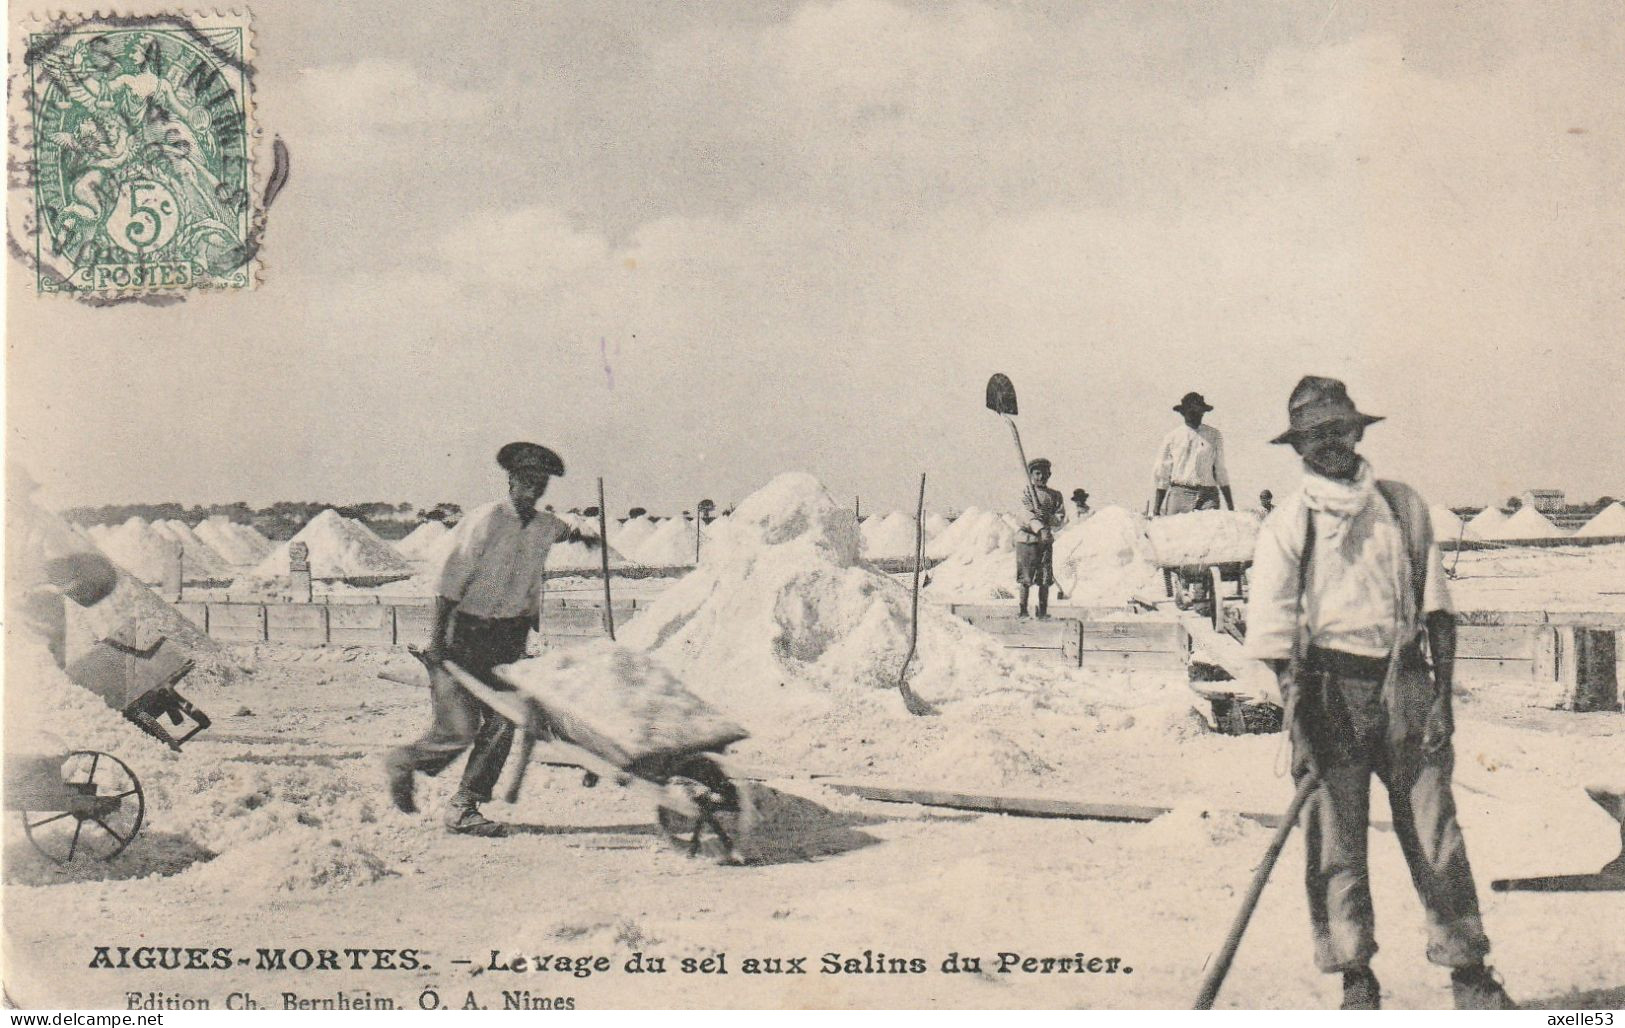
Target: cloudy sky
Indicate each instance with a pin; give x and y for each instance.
(690, 245)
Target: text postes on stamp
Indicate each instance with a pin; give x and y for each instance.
(141, 142)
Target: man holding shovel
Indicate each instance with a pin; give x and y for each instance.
(489, 599)
(1350, 609)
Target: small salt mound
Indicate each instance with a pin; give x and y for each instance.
(1484, 524)
(1608, 521)
(889, 536)
(671, 544)
(339, 548)
(136, 548)
(935, 525)
(1527, 523)
(974, 534)
(783, 594)
(632, 533)
(620, 704)
(1106, 559)
(1203, 537)
(418, 541)
(575, 556)
(1447, 525)
(238, 545)
(199, 560)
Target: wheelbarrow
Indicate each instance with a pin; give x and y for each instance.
(136, 674)
(1216, 591)
(75, 807)
(701, 807)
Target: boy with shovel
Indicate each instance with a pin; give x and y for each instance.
(1035, 543)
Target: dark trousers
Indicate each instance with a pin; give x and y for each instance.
(463, 722)
(1350, 739)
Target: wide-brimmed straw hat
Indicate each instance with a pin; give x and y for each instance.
(1318, 401)
(1192, 401)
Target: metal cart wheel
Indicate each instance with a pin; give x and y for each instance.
(105, 808)
(709, 812)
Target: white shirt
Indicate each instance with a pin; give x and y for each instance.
(1352, 588)
(1192, 457)
(498, 566)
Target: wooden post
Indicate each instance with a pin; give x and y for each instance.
(698, 521)
(603, 553)
(299, 572)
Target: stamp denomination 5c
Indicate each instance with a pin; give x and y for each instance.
(140, 143)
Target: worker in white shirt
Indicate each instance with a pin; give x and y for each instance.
(1190, 473)
(1349, 607)
(489, 598)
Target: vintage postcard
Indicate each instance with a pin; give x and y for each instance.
(814, 504)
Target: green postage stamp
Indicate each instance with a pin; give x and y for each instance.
(139, 141)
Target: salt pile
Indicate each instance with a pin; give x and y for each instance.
(238, 544)
(1203, 537)
(977, 532)
(1447, 526)
(1527, 523)
(784, 596)
(889, 536)
(671, 544)
(568, 556)
(199, 560)
(935, 525)
(1608, 522)
(632, 533)
(621, 703)
(1484, 524)
(136, 548)
(421, 539)
(339, 548)
(1106, 559)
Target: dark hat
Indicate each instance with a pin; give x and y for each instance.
(1036, 463)
(1079, 494)
(1320, 401)
(1266, 495)
(1193, 401)
(517, 457)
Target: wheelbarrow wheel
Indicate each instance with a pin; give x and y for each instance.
(705, 812)
(1216, 587)
(103, 810)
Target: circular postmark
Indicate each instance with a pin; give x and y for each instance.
(138, 142)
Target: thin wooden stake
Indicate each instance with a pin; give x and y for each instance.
(603, 554)
(911, 700)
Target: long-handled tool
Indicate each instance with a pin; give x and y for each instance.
(1221, 963)
(1001, 400)
(911, 700)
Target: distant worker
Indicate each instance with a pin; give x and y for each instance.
(1080, 501)
(1035, 543)
(1190, 472)
(1349, 607)
(489, 599)
(1266, 503)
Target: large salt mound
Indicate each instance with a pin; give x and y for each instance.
(783, 596)
(136, 548)
(1608, 521)
(418, 541)
(1527, 523)
(199, 560)
(339, 548)
(889, 536)
(1203, 537)
(239, 545)
(1484, 524)
(671, 544)
(1106, 559)
(574, 556)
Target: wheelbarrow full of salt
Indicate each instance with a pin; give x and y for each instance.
(630, 719)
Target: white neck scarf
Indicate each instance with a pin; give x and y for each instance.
(1340, 501)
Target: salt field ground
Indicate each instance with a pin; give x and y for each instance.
(272, 830)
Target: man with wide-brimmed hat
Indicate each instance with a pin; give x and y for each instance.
(1080, 502)
(1035, 542)
(1349, 606)
(489, 599)
(1190, 473)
